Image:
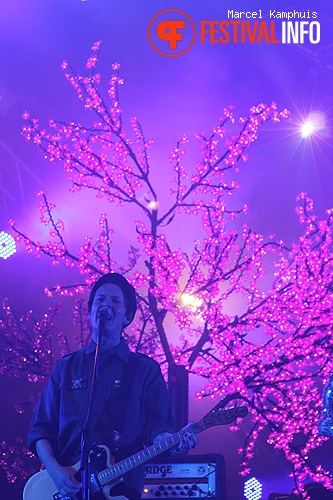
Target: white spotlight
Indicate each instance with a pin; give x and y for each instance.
(253, 489)
(307, 129)
(7, 245)
(314, 124)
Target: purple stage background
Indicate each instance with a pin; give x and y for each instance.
(171, 96)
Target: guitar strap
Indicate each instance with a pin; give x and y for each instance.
(126, 385)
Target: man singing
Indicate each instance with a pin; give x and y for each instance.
(130, 407)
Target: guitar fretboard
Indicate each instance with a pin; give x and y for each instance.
(108, 475)
(217, 416)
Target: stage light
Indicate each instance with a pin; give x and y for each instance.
(7, 245)
(153, 205)
(191, 301)
(253, 489)
(313, 124)
(307, 129)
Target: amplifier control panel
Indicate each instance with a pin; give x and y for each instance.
(193, 476)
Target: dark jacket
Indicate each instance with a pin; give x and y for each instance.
(61, 410)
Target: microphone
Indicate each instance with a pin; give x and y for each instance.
(104, 314)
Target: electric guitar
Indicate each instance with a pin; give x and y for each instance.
(104, 475)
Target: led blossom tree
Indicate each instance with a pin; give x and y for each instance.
(276, 352)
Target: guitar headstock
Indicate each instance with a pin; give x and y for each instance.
(220, 415)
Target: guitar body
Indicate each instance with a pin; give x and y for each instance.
(41, 487)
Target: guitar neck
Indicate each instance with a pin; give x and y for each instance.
(219, 415)
(119, 469)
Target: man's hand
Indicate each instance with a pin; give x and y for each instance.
(64, 481)
(189, 439)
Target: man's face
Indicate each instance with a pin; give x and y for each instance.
(110, 297)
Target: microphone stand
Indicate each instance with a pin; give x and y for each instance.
(85, 441)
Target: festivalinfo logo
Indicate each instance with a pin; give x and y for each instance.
(172, 32)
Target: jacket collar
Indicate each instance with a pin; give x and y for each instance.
(121, 350)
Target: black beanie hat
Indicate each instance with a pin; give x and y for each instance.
(126, 288)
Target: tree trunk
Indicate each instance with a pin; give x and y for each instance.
(178, 392)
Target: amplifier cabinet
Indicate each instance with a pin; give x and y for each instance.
(185, 476)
